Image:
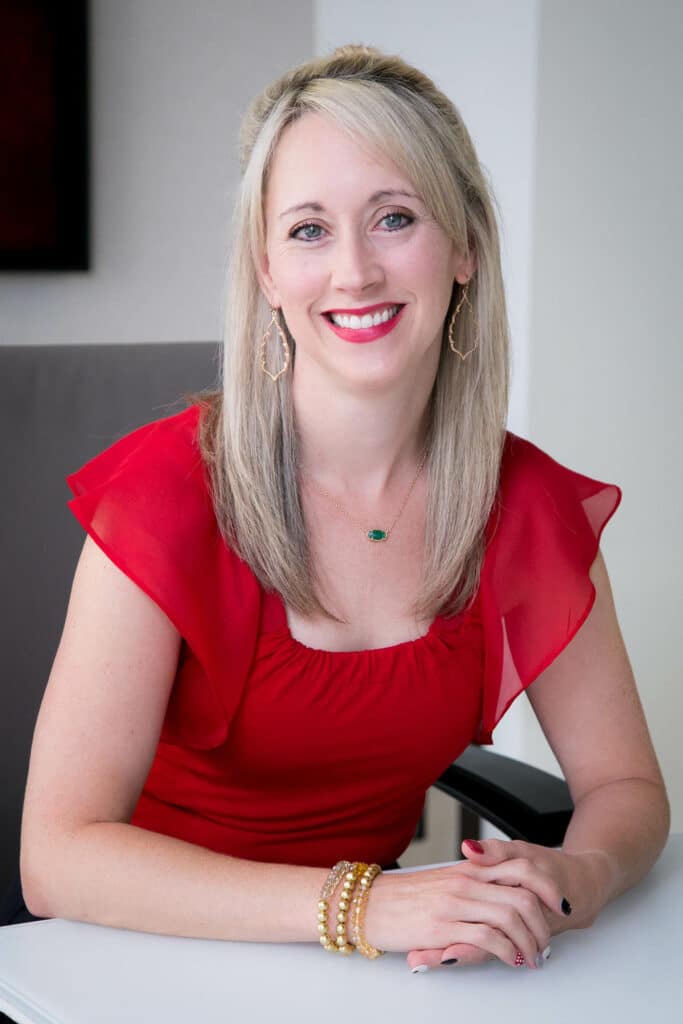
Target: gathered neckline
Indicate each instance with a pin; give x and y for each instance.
(275, 612)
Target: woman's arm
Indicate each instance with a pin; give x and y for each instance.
(588, 706)
(94, 742)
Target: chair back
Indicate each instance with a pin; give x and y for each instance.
(59, 406)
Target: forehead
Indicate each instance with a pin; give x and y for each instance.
(316, 159)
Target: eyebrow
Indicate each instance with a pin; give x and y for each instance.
(374, 198)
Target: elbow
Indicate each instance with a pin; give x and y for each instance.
(36, 907)
(33, 896)
(658, 811)
(34, 876)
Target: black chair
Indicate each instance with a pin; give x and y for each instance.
(522, 801)
(59, 406)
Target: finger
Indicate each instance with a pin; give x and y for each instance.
(459, 953)
(462, 953)
(529, 920)
(489, 851)
(513, 917)
(497, 944)
(522, 872)
(530, 909)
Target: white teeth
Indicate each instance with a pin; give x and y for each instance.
(368, 320)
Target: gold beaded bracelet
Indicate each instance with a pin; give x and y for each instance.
(331, 882)
(351, 873)
(357, 909)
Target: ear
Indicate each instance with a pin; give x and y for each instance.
(465, 265)
(265, 281)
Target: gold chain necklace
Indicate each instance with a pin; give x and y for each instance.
(376, 535)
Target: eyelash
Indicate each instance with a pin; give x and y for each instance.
(390, 213)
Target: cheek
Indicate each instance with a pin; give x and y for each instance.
(429, 270)
(298, 279)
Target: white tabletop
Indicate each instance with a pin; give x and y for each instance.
(625, 968)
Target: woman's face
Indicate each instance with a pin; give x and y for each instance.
(348, 236)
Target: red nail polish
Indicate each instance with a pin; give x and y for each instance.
(519, 960)
(474, 845)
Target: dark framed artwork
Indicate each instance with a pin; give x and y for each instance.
(44, 158)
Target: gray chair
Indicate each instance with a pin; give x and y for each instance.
(61, 405)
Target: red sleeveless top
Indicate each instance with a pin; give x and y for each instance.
(274, 751)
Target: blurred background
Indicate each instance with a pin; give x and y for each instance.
(576, 111)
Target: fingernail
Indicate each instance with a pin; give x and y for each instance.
(519, 959)
(566, 907)
(542, 957)
(453, 960)
(474, 845)
(420, 969)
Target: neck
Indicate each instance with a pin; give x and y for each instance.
(360, 445)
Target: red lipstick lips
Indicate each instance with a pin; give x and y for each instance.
(363, 334)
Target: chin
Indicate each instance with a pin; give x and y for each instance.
(371, 379)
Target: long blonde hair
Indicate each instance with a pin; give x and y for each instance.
(248, 434)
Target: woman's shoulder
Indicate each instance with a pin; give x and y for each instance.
(168, 445)
(545, 511)
(150, 482)
(528, 471)
(174, 436)
(520, 455)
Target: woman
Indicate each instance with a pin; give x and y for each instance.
(301, 599)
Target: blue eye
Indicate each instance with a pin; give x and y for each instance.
(400, 217)
(305, 227)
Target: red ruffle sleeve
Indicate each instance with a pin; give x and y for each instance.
(536, 591)
(146, 503)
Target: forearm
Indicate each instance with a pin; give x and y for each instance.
(122, 876)
(624, 825)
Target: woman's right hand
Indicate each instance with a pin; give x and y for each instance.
(443, 907)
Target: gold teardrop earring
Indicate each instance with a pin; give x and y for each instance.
(275, 322)
(451, 326)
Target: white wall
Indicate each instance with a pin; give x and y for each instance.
(170, 80)
(606, 338)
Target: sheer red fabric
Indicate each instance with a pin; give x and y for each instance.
(274, 751)
(536, 590)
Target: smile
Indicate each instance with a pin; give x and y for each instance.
(366, 326)
(356, 323)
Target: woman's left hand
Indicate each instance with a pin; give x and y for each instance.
(579, 877)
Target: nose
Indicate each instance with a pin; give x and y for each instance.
(356, 265)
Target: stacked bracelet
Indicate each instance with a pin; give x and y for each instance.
(357, 909)
(351, 873)
(326, 893)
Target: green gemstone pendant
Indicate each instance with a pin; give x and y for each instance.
(377, 535)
